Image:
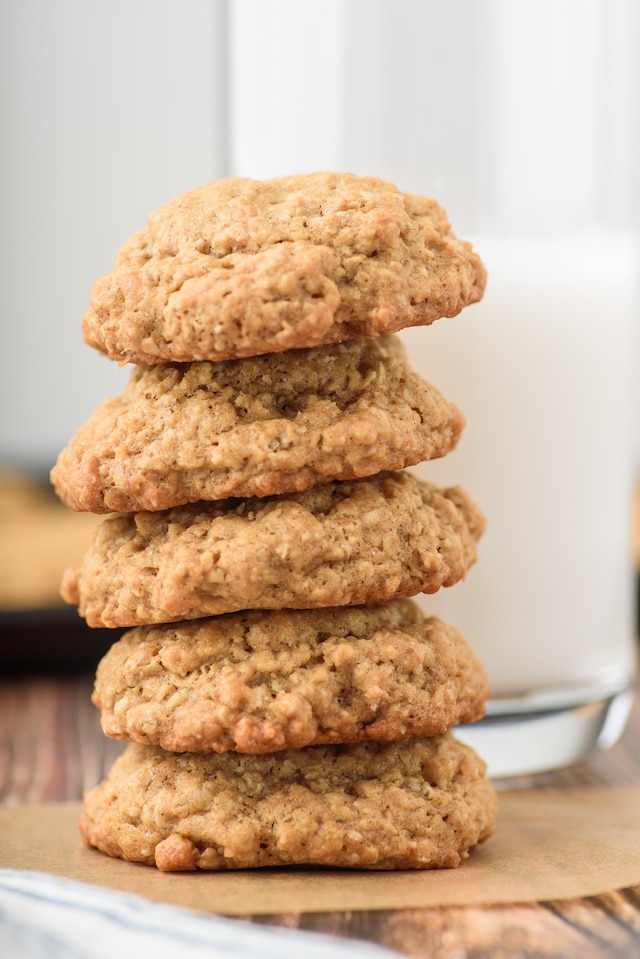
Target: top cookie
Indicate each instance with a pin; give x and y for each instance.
(243, 267)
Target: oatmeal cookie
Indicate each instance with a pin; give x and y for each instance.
(242, 267)
(415, 804)
(336, 544)
(261, 681)
(255, 427)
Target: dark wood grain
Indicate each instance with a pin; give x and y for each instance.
(52, 747)
(51, 744)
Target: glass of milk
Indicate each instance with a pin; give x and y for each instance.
(544, 370)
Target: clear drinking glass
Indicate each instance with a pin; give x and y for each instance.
(543, 369)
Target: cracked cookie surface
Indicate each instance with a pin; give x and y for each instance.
(255, 427)
(337, 544)
(262, 681)
(415, 804)
(242, 267)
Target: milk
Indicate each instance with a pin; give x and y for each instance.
(542, 370)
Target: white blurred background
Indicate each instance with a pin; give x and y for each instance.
(521, 117)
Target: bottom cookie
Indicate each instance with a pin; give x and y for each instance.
(416, 804)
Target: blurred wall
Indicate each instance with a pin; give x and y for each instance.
(108, 110)
(521, 117)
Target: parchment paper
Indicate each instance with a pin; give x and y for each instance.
(547, 846)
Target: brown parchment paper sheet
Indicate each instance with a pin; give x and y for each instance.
(547, 846)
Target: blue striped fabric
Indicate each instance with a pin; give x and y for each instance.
(46, 917)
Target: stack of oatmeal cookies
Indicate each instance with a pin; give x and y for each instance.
(285, 702)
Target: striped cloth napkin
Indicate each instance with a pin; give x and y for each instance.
(46, 917)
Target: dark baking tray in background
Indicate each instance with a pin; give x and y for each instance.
(50, 641)
(47, 640)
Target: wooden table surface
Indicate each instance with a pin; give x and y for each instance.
(51, 748)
